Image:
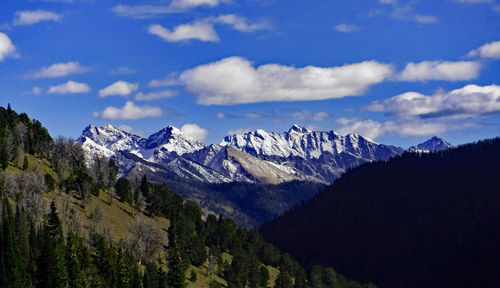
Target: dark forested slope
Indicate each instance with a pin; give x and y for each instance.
(418, 220)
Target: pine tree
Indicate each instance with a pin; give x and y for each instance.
(4, 158)
(25, 163)
(52, 269)
(176, 270)
(13, 267)
(23, 241)
(124, 280)
(75, 273)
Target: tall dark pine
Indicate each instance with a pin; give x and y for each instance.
(51, 267)
(23, 242)
(176, 270)
(75, 273)
(13, 271)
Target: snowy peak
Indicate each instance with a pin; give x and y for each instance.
(432, 145)
(173, 140)
(298, 129)
(110, 137)
(302, 142)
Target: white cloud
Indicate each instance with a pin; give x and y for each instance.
(34, 91)
(234, 80)
(6, 46)
(346, 28)
(141, 11)
(169, 80)
(220, 115)
(126, 128)
(469, 101)
(35, 16)
(70, 87)
(441, 70)
(151, 11)
(129, 112)
(123, 70)
(195, 131)
(407, 127)
(119, 88)
(254, 115)
(196, 31)
(488, 50)
(239, 131)
(155, 95)
(187, 4)
(310, 116)
(58, 70)
(239, 23)
(426, 19)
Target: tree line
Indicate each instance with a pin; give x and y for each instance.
(39, 248)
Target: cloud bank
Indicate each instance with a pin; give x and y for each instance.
(235, 80)
(129, 112)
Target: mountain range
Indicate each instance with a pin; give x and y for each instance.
(253, 157)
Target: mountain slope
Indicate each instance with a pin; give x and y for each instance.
(418, 220)
(433, 144)
(255, 157)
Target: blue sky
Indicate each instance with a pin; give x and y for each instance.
(393, 70)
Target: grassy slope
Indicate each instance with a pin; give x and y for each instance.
(116, 220)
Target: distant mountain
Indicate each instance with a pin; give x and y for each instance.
(417, 220)
(434, 144)
(254, 157)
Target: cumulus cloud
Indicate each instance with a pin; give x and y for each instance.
(70, 87)
(155, 95)
(58, 70)
(405, 11)
(123, 70)
(469, 101)
(195, 131)
(408, 127)
(195, 31)
(169, 80)
(203, 30)
(234, 80)
(6, 46)
(346, 28)
(239, 131)
(119, 88)
(151, 11)
(129, 112)
(35, 16)
(488, 50)
(441, 70)
(239, 23)
(187, 4)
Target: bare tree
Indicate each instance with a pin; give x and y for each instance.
(146, 239)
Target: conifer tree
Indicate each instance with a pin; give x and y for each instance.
(23, 241)
(283, 280)
(75, 273)
(52, 269)
(13, 267)
(123, 274)
(176, 270)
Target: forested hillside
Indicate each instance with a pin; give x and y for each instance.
(417, 220)
(66, 224)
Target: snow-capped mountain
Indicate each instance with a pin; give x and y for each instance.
(431, 145)
(257, 157)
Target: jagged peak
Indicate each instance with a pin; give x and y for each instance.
(298, 129)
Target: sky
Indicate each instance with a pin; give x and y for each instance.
(395, 71)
